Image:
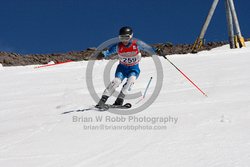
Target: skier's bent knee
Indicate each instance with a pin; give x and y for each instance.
(112, 86)
(129, 84)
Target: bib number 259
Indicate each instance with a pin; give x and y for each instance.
(129, 60)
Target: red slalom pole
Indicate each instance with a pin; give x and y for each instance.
(48, 65)
(186, 77)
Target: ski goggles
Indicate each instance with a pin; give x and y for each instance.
(125, 37)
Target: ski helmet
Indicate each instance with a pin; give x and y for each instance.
(125, 33)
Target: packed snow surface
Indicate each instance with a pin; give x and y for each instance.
(182, 128)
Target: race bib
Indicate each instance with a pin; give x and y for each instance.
(130, 61)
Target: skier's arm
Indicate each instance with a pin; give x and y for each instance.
(111, 51)
(145, 47)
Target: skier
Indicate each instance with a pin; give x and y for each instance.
(129, 55)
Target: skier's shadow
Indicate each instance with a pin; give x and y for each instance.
(86, 109)
(79, 110)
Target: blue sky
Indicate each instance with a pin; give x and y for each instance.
(57, 26)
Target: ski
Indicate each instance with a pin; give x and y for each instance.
(125, 106)
(105, 108)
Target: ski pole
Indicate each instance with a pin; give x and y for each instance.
(147, 87)
(144, 95)
(186, 77)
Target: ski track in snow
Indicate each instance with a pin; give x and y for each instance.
(211, 131)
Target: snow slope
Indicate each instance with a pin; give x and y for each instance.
(208, 131)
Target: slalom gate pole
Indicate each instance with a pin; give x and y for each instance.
(186, 77)
(48, 65)
(144, 95)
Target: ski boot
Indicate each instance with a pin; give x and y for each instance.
(119, 102)
(101, 104)
(120, 99)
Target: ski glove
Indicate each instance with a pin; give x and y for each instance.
(100, 56)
